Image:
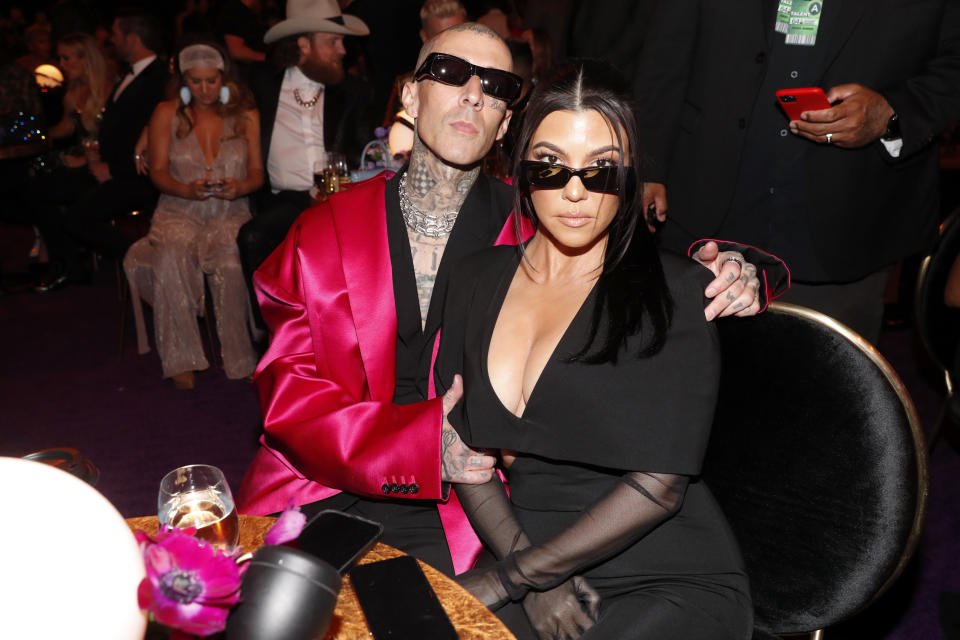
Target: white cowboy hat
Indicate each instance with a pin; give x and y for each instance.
(315, 16)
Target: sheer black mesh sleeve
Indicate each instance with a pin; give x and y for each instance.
(629, 511)
(570, 606)
(491, 514)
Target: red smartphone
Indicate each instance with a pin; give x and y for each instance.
(796, 101)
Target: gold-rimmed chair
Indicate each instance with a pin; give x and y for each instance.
(823, 478)
(938, 326)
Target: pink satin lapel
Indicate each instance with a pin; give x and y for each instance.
(508, 234)
(464, 544)
(462, 540)
(359, 217)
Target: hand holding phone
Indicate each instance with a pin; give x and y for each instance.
(796, 101)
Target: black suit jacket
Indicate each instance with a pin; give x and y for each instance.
(125, 118)
(701, 70)
(344, 128)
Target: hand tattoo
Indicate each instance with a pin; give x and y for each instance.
(452, 464)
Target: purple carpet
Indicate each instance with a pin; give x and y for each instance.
(63, 383)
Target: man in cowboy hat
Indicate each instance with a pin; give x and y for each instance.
(308, 105)
(354, 297)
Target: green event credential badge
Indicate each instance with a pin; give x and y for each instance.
(783, 16)
(804, 22)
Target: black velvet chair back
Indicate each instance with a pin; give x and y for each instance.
(937, 324)
(821, 471)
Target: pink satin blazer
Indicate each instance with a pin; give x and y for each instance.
(326, 383)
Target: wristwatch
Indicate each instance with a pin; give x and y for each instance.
(893, 129)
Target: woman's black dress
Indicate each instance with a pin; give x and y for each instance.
(585, 426)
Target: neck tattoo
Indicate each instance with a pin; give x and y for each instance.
(432, 225)
(306, 104)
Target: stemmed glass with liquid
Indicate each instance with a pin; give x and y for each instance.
(198, 496)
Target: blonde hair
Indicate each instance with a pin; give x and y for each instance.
(94, 85)
(440, 9)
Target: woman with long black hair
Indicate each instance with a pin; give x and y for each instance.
(589, 367)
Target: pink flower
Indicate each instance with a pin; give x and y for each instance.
(189, 585)
(287, 527)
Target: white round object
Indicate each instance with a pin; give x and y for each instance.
(70, 563)
(400, 138)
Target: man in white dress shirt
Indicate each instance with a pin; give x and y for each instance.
(309, 105)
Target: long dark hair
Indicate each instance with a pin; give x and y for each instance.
(631, 284)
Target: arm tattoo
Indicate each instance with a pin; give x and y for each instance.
(452, 468)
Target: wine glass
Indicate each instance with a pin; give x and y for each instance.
(198, 496)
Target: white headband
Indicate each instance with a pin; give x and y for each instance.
(200, 55)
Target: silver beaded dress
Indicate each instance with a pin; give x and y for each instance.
(190, 240)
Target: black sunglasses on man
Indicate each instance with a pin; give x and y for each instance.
(455, 71)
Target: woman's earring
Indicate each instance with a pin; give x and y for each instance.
(185, 95)
(224, 94)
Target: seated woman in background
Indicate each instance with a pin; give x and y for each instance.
(61, 175)
(204, 150)
(588, 365)
(88, 88)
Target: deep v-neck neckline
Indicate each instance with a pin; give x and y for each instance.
(492, 318)
(219, 141)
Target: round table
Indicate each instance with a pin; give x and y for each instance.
(471, 619)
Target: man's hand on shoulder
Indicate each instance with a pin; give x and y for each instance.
(736, 288)
(654, 204)
(859, 119)
(459, 462)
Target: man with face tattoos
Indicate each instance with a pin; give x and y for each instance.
(354, 297)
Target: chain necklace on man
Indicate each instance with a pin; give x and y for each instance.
(434, 226)
(306, 104)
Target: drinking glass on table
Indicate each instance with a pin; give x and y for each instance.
(198, 496)
(330, 171)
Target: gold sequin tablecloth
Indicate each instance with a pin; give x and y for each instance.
(470, 618)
